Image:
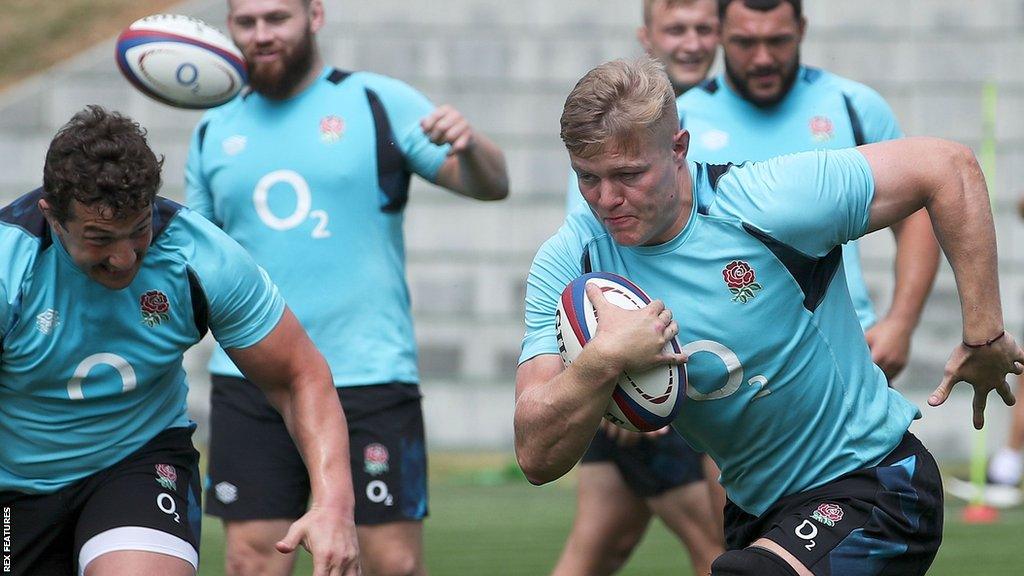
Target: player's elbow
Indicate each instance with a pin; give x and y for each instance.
(536, 468)
(534, 473)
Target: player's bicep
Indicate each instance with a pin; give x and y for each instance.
(905, 173)
(276, 360)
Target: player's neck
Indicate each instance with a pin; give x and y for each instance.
(316, 68)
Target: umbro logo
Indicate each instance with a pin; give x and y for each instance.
(47, 321)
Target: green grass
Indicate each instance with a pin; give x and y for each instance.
(486, 520)
(35, 34)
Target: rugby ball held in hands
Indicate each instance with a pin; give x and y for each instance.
(643, 401)
(180, 61)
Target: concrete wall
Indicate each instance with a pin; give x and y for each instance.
(508, 66)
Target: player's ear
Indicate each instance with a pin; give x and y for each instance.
(44, 207)
(316, 15)
(643, 36)
(681, 144)
(803, 27)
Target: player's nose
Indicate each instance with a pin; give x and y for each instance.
(123, 256)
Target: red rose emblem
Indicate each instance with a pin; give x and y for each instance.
(154, 302)
(738, 274)
(155, 307)
(831, 511)
(821, 127)
(167, 471)
(741, 280)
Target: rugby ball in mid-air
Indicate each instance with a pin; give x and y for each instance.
(643, 401)
(180, 61)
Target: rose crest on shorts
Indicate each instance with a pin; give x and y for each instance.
(375, 459)
(741, 280)
(155, 307)
(167, 476)
(828, 513)
(331, 129)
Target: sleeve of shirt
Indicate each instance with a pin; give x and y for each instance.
(812, 201)
(244, 304)
(556, 264)
(405, 107)
(877, 119)
(197, 190)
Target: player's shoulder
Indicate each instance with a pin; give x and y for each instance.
(579, 231)
(383, 85)
(178, 229)
(706, 91)
(857, 93)
(23, 229)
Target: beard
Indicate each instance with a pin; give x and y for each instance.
(277, 80)
(742, 85)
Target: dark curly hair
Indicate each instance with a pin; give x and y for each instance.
(100, 157)
(762, 5)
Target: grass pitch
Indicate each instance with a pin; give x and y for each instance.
(486, 519)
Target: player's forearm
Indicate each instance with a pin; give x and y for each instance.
(962, 217)
(555, 420)
(316, 421)
(917, 261)
(482, 170)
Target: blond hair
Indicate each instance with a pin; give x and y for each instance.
(649, 6)
(618, 103)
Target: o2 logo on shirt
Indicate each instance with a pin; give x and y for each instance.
(303, 203)
(124, 369)
(732, 365)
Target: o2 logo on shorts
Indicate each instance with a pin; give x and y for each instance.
(165, 502)
(377, 492)
(807, 531)
(303, 203)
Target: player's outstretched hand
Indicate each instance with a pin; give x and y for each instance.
(446, 125)
(330, 537)
(890, 346)
(985, 368)
(633, 339)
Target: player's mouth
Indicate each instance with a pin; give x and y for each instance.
(618, 222)
(265, 56)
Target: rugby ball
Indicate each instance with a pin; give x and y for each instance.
(180, 61)
(643, 401)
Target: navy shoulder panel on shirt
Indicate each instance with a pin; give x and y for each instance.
(200, 305)
(201, 137)
(813, 275)
(392, 175)
(855, 123)
(25, 214)
(710, 85)
(337, 76)
(164, 211)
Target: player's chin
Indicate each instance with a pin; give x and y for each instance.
(114, 280)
